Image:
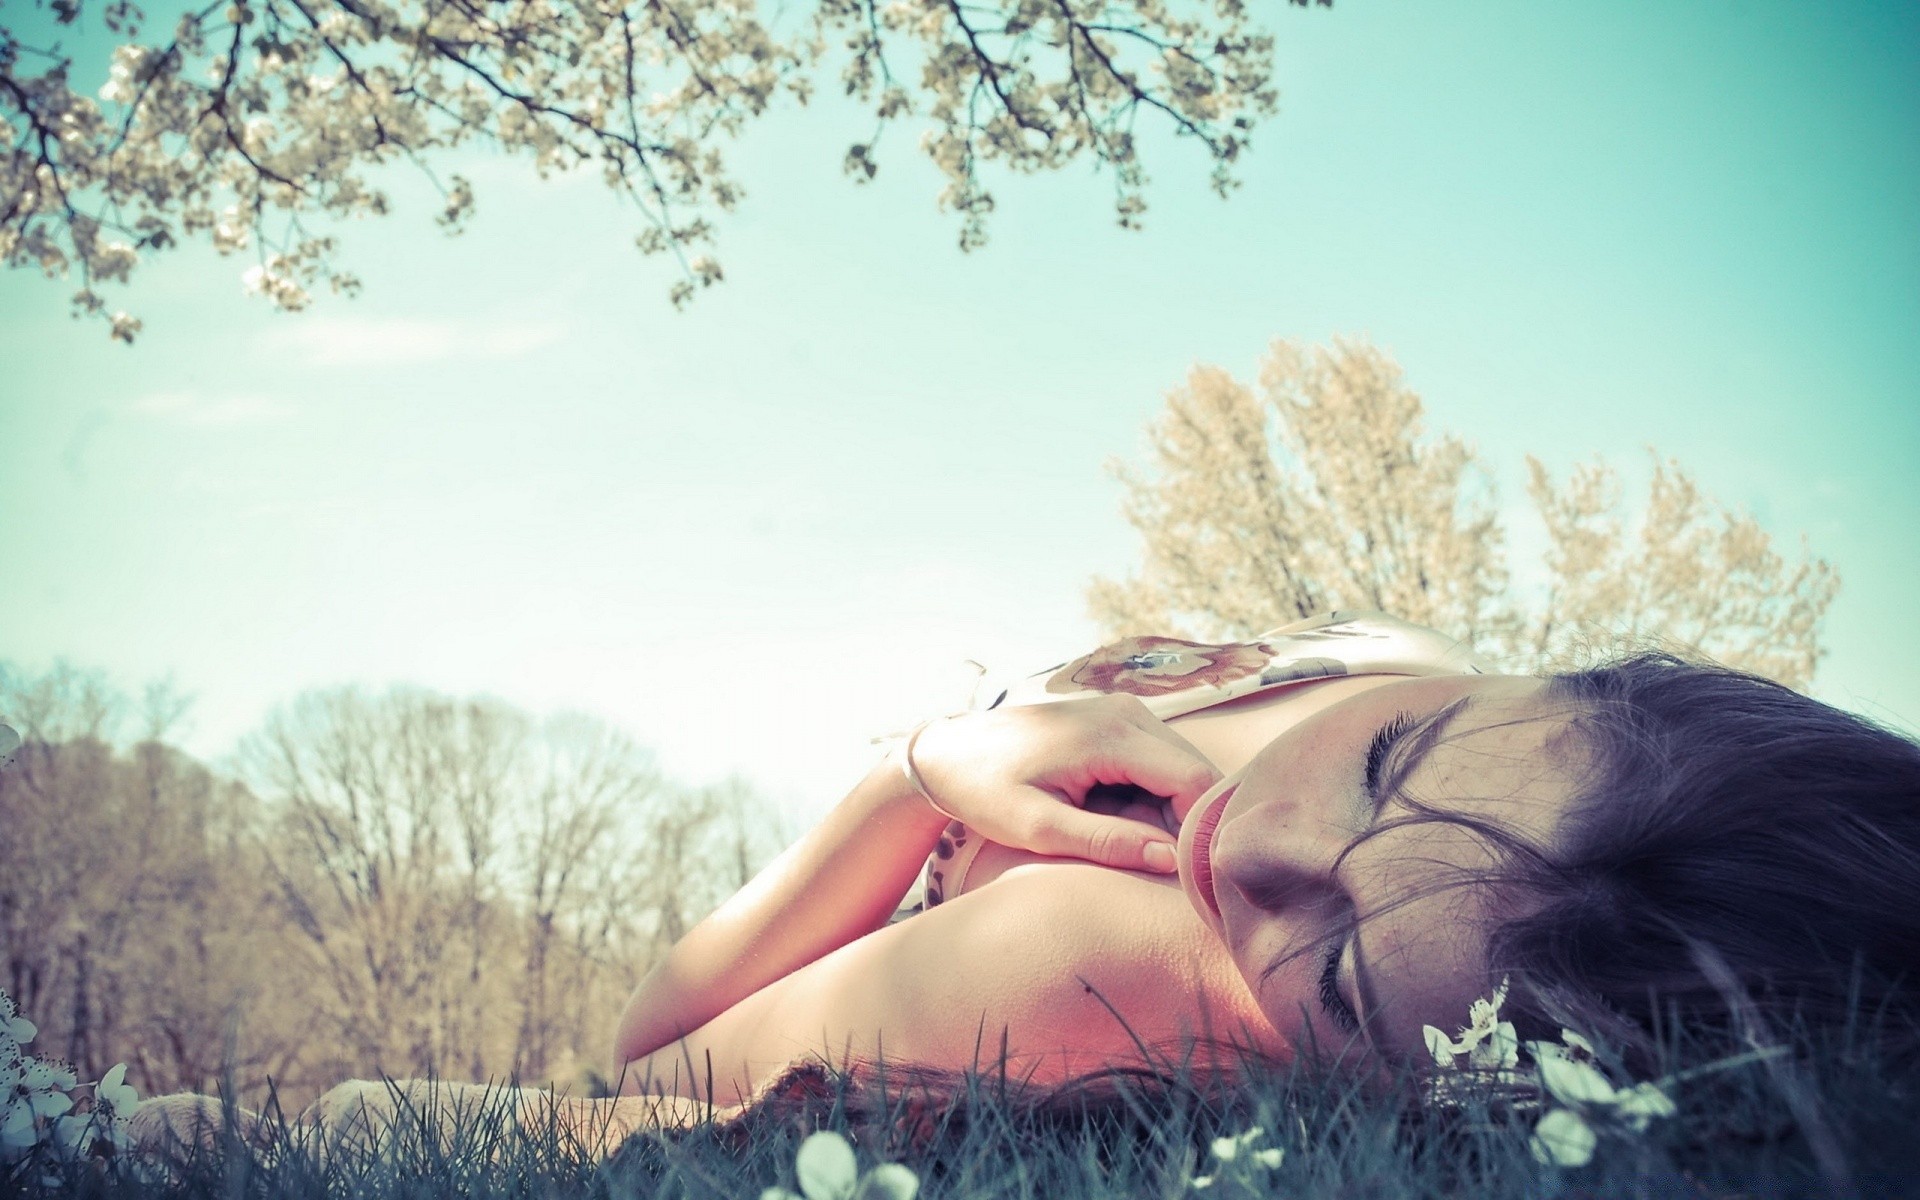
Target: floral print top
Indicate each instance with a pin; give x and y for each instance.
(1173, 677)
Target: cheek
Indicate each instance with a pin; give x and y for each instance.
(1309, 769)
(1424, 963)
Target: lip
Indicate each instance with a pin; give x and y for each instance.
(1203, 829)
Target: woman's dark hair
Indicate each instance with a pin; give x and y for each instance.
(1738, 854)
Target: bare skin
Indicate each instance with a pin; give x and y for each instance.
(1068, 966)
(1069, 949)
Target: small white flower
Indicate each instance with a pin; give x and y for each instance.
(1498, 1049)
(12, 1025)
(1226, 1149)
(827, 1170)
(17, 1128)
(1579, 1045)
(889, 1181)
(826, 1167)
(113, 1103)
(1489, 1043)
(1568, 1080)
(1239, 1159)
(1563, 1139)
(48, 1104)
(1484, 1015)
(114, 1093)
(1641, 1104)
(1566, 1071)
(47, 1074)
(72, 1136)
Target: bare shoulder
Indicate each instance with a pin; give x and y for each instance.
(1063, 968)
(1093, 959)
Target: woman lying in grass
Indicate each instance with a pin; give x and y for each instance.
(1172, 855)
(1324, 841)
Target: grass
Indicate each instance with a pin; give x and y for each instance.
(1829, 1118)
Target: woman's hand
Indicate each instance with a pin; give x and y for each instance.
(1020, 775)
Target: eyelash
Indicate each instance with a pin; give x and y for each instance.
(1330, 998)
(1383, 740)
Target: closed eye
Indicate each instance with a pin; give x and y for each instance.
(1425, 734)
(1384, 740)
(1331, 1000)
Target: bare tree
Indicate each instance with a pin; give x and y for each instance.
(130, 918)
(582, 785)
(387, 811)
(1325, 491)
(478, 891)
(412, 884)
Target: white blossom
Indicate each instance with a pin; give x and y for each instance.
(1563, 1139)
(36, 1105)
(1239, 1157)
(1570, 1081)
(1642, 1104)
(231, 232)
(114, 1101)
(1488, 1043)
(286, 122)
(1566, 1135)
(15, 1030)
(42, 1075)
(18, 1131)
(1565, 1073)
(826, 1169)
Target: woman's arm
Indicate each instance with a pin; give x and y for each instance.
(1015, 775)
(842, 880)
(1063, 968)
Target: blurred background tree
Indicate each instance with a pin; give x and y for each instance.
(399, 883)
(244, 121)
(1324, 490)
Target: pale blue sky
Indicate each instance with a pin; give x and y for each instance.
(758, 531)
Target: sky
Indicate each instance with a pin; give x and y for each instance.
(760, 531)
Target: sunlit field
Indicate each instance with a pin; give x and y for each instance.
(1355, 507)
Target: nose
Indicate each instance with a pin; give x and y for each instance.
(1279, 857)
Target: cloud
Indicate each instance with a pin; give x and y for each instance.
(189, 408)
(78, 443)
(365, 342)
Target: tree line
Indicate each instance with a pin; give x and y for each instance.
(398, 883)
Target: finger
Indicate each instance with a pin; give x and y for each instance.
(1064, 831)
(1168, 766)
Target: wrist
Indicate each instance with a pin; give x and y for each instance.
(910, 770)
